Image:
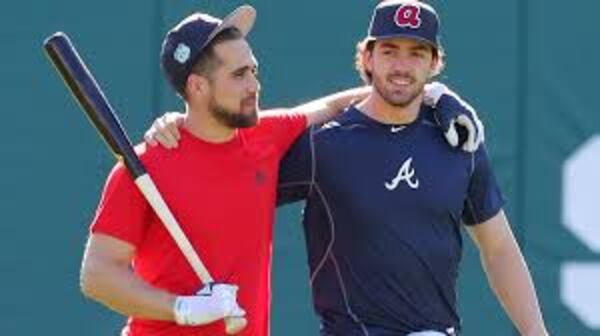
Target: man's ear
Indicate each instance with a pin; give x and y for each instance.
(197, 85)
(367, 59)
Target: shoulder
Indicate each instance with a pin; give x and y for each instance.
(158, 158)
(145, 153)
(277, 127)
(428, 118)
(279, 117)
(149, 154)
(350, 121)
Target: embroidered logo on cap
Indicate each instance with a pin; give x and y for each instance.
(408, 16)
(182, 53)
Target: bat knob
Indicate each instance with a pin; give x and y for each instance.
(234, 325)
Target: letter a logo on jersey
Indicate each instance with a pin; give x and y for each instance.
(408, 16)
(405, 173)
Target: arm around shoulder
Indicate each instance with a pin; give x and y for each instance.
(325, 108)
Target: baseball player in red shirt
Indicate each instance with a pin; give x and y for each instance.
(220, 185)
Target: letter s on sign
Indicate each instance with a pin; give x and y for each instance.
(579, 280)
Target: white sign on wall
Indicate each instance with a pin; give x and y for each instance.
(580, 281)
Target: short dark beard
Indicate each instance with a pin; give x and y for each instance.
(383, 94)
(230, 118)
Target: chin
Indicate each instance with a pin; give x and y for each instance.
(402, 101)
(248, 120)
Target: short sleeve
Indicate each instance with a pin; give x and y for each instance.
(484, 199)
(283, 127)
(123, 212)
(295, 171)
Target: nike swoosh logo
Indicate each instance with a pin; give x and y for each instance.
(396, 129)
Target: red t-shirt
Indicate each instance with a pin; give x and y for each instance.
(223, 196)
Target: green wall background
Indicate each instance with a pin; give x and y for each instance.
(529, 67)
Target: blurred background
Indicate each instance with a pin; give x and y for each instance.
(529, 67)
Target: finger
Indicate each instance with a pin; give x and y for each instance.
(173, 130)
(470, 144)
(165, 141)
(451, 134)
(171, 120)
(178, 117)
(164, 132)
(468, 125)
(168, 125)
(149, 138)
(481, 132)
(175, 118)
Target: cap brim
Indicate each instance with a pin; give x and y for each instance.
(241, 18)
(406, 36)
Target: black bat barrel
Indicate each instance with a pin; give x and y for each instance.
(88, 93)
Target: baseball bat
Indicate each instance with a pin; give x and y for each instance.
(90, 96)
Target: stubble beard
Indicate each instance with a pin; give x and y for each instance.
(394, 99)
(232, 119)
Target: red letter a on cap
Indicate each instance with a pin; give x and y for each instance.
(408, 16)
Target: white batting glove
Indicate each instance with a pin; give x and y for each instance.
(451, 110)
(212, 303)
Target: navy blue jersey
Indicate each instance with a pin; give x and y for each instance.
(382, 220)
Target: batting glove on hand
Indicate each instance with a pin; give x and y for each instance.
(212, 303)
(451, 111)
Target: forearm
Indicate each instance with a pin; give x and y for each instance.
(511, 281)
(120, 289)
(324, 109)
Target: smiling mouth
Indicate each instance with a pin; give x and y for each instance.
(401, 81)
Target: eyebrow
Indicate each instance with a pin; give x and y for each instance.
(245, 68)
(388, 45)
(421, 47)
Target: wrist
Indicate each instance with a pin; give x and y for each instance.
(180, 310)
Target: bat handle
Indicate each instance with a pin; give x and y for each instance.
(234, 325)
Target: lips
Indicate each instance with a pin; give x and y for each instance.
(401, 80)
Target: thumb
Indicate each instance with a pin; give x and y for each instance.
(237, 311)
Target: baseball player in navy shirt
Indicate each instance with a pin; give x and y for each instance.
(387, 198)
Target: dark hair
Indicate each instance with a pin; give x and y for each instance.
(367, 45)
(208, 61)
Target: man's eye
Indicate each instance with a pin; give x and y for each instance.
(418, 54)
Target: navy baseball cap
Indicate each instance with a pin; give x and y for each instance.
(184, 43)
(405, 18)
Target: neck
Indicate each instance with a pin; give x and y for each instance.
(377, 108)
(200, 122)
